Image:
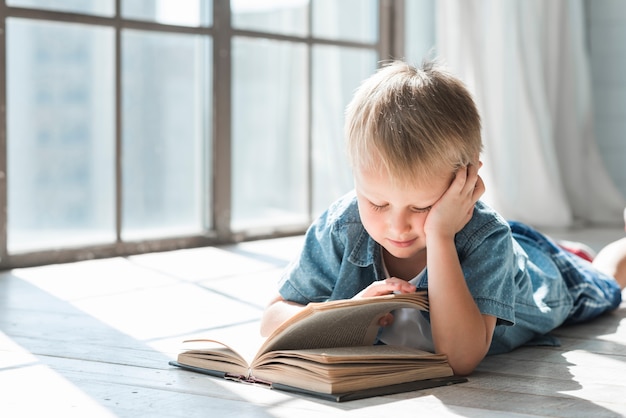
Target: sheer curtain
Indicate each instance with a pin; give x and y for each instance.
(526, 62)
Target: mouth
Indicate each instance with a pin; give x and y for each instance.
(402, 244)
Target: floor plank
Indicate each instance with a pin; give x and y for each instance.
(94, 338)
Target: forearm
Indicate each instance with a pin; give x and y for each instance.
(459, 329)
(276, 313)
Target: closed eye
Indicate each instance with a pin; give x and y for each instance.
(377, 208)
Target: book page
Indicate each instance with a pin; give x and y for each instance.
(343, 323)
(214, 355)
(351, 368)
(359, 354)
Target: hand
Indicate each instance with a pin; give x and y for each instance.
(385, 287)
(455, 207)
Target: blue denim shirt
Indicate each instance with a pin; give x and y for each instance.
(339, 259)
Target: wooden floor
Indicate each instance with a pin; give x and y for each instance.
(94, 338)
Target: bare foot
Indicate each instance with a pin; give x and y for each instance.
(612, 261)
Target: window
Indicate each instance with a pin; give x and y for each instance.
(60, 134)
(165, 123)
(152, 128)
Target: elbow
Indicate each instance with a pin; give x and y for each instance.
(267, 325)
(269, 320)
(278, 311)
(263, 330)
(464, 355)
(463, 368)
(464, 363)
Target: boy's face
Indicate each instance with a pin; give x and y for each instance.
(394, 215)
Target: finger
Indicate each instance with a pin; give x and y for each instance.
(465, 181)
(472, 173)
(386, 320)
(461, 174)
(393, 284)
(459, 181)
(387, 286)
(474, 185)
(401, 284)
(479, 189)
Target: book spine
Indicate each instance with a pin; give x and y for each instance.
(247, 379)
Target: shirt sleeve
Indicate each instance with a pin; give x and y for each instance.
(311, 277)
(490, 265)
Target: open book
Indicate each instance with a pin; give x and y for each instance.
(328, 350)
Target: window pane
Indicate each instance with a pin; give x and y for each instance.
(95, 7)
(347, 20)
(166, 125)
(60, 123)
(287, 17)
(171, 12)
(269, 133)
(337, 72)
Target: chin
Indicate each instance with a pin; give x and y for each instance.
(404, 252)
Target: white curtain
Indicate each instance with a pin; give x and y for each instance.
(526, 62)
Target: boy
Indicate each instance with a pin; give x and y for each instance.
(415, 221)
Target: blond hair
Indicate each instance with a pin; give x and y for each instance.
(413, 123)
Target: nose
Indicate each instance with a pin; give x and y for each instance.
(399, 223)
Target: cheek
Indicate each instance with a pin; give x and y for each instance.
(372, 222)
(419, 220)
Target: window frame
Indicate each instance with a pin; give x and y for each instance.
(389, 45)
